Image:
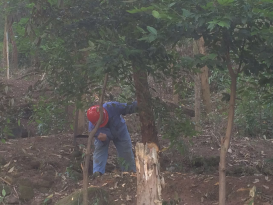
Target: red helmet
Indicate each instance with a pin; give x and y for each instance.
(93, 115)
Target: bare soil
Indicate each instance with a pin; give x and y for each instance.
(51, 166)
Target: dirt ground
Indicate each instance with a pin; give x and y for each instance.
(52, 168)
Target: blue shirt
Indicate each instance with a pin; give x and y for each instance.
(116, 123)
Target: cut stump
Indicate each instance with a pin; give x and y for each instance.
(149, 180)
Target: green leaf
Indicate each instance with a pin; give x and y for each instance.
(156, 14)
(225, 2)
(4, 192)
(3, 140)
(152, 30)
(225, 24)
(19, 122)
(186, 13)
(172, 4)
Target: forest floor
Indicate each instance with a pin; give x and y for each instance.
(46, 168)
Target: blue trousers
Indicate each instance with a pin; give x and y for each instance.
(123, 145)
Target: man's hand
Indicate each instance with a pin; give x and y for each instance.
(102, 137)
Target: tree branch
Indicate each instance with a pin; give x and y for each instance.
(241, 56)
(89, 143)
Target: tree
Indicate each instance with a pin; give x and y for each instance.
(230, 31)
(204, 76)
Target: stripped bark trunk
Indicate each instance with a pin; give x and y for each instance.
(144, 100)
(6, 47)
(225, 141)
(204, 76)
(14, 57)
(197, 105)
(149, 180)
(89, 144)
(197, 91)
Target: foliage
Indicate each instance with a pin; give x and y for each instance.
(174, 125)
(50, 117)
(3, 195)
(254, 112)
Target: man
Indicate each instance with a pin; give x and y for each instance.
(113, 127)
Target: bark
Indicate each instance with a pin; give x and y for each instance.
(204, 76)
(197, 91)
(225, 141)
(148, 128)
(6, 47)
(175, 94)
(79, 121)
(149, 180)
(197, 105)
(89, 143)
(14, 57)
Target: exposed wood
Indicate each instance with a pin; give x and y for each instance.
(149, 180)
(7, 53)
(14, 57)
(204, 76)
(145, 108)
(197, 91)
(89, 143)
(225, 141)
(197, 102)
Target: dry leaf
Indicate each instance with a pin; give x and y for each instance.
(267, 178)
(229, 150)
(123, 185)
(217, 183)
(256, 181)
(104, 184)
(6, 165)
(11, 170)
(266, 187)
(128, 198)
(230, 165)
(116, 185)
(24, 151)
(242, 189)
(252, 191)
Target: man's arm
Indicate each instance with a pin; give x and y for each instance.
(103, 130)
(126, 108)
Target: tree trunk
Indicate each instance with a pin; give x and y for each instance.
(14, 57)
(204, 78)
(148, 128)
(6, 47)
(225, 141)
(197, 104)
(89, 143)
(197, 91)
(149, 180)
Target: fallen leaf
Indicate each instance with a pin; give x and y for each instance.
(266, 187)
(104, 184)
(24, 151)
(252, 191)
(256, 181)
(6, 165)
(123, 185)
(217, 183)
(11, 170)
(230, 165)
(128, 198)
(242, 189)
(229, 150)
(116, 185)
(267, 178)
